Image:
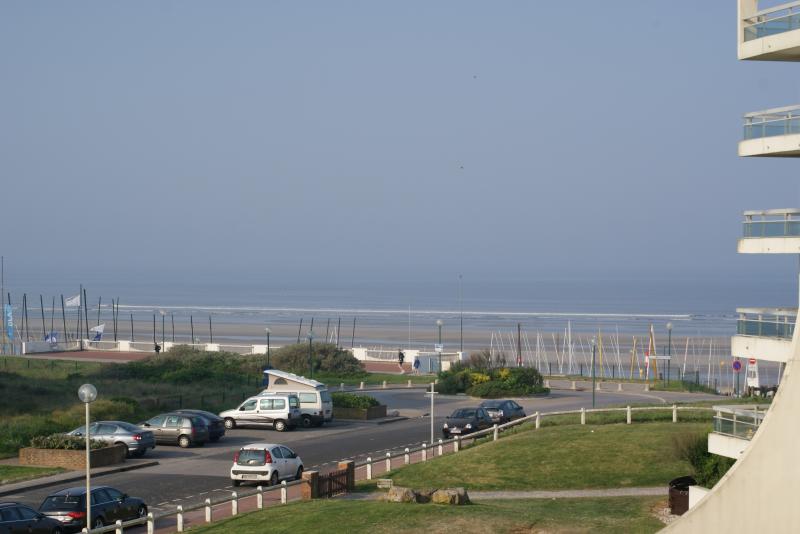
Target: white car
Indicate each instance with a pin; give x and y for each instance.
(265, 462)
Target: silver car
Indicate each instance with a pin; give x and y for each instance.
(136, 439)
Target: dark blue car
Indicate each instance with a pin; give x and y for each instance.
(68, 507)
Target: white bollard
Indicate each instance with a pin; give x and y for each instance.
(118, 524)
(384, 384)
(283, 492)
(674, 413)
(597, 386)
(424, 452)
(647, 386)
(151, 523)
(208, 510)
(574, 386)
(179, 518)
(495, 433)
(538, 420)
(234, 503)
(619, 386)
(628, 410)
(547, 384)
(388, 462)
(583, 416)
(369, 467)
(409, 383)
(407, 457)
(260, 497)
(361, 386)
(441, 448)
(341, 386)
(457, 444)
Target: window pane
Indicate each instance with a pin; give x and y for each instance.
(276, 453)
(278, 404)
(266, 404)
(26, 513)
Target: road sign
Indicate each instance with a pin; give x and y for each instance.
(439, 347)
(752, 361)
(737, 365)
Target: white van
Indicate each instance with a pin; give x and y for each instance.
(281, 411)
(316, 405)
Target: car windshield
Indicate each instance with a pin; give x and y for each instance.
(491, 404)
(325, 396)
(464, 413)
(127, 426)
(251, 457)
(61, 502)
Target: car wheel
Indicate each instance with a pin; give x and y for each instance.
(56, 531)
(273, 480)
(184, 441)
(280, 425)
(299, 473)
(141, 511)
(307, 422)
(237, 483)
(230, 423)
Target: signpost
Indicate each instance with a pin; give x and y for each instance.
(737, 366)
(432, 393)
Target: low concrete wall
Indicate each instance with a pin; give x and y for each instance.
(75, 460)
(375, 412)
(695, 494)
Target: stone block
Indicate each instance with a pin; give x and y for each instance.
(455, 496)
(401, 494)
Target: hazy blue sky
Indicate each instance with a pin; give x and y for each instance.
(351, 141)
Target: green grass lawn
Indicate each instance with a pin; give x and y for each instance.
(17, 473)
(613, 514)
(333, 381)
(561, 457)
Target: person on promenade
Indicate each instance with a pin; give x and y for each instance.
(416, 366)
(400, 359)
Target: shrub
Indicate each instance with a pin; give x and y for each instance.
(326, 358)
(500, 382)
(481, 360)
(63, 441)
(349, 400)
(707, 468)
(184, 365)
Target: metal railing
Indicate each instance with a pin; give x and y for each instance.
(772, 21)
(738, 421)
(766, 322)
(772, 223)
(772, 122)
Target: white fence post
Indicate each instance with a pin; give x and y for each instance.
(647, 386)
(619, 386)
(361, 386)
(388, 462)
(234, 503)
(151, 523)
(441, 448)
(369, 467)
(341, 386)
(283, 492)
(118, 524)
(574, 386)
(424, 452)
(495, 433)
(547, 384)
(384, 384)
(208, 510)
(628, 410)
(583, 416)
(674, 413)
(409, 384)
(406, 457)
(260, 497)
(538, 420)
(179, 518)
(457, 444)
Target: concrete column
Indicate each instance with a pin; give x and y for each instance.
(583, 416)
(628, 414)
(350, 467)
(310, 490)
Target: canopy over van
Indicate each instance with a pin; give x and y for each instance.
(282, 381)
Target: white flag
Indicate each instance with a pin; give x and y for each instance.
(73, 302)
(98, 331)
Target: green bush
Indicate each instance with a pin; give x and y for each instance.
(349, 400)
(185, 365)
(63, 441)
(327, 358)
(494, 383)
(708, 468)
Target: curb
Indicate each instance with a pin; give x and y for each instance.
(385, 421)
(39, 483)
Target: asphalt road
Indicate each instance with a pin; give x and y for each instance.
(188, 476)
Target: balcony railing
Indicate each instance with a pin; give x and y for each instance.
(772, 21)
(766, 322)
(772, 122)
(739, 421)
(772, 223)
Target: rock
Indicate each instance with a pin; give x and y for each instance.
(400, 494)
(424, 495)
(450, 496)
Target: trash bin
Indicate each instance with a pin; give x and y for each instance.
(679, 494)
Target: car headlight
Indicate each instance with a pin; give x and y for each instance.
(468, 426)
(445, 425)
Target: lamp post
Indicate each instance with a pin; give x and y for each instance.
(310, 357)
(268, 331)
(87, 393)
(669, 350)
(439, 323)
(461, 314)
(594, 352)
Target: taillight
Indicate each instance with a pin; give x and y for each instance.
(137, 437)
(77, 515)
(267, 457)
(236, 457)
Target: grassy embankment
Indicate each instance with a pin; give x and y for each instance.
(18, 473)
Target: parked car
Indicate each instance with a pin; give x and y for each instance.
(316, 407)
(259, 462)
(503, 411)
(281, 412)
(215, 423)
(15, 517)
(465, 421)
(176, 428)
(68, 506)
(136, 439)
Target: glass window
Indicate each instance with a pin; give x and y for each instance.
(113, 494)
(293, 402)
(249, 405)
(325, 396)
(62, 502)
(27, 513)
(9, 514)
(308, 398)
(463, 413)
(251, 457)
(280, 382)
(80, 430)
(156, 421)
(105, 429)
(266, 404)
(278, 404)
(287, 453)
(173, 421)
(276, 452)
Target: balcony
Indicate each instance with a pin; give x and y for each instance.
(769, 34)
(772, 133)
(764, 333)
(734, 427)
(771, 232)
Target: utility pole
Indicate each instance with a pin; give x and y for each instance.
(461, 313)
(594, 352)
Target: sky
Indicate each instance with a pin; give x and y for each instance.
(344, 142)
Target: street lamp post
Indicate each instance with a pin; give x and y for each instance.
(461, 314)
(439, 323)
(268, 331)
(310, 356)
(669, 350)
(87, 393)
(594, 352)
